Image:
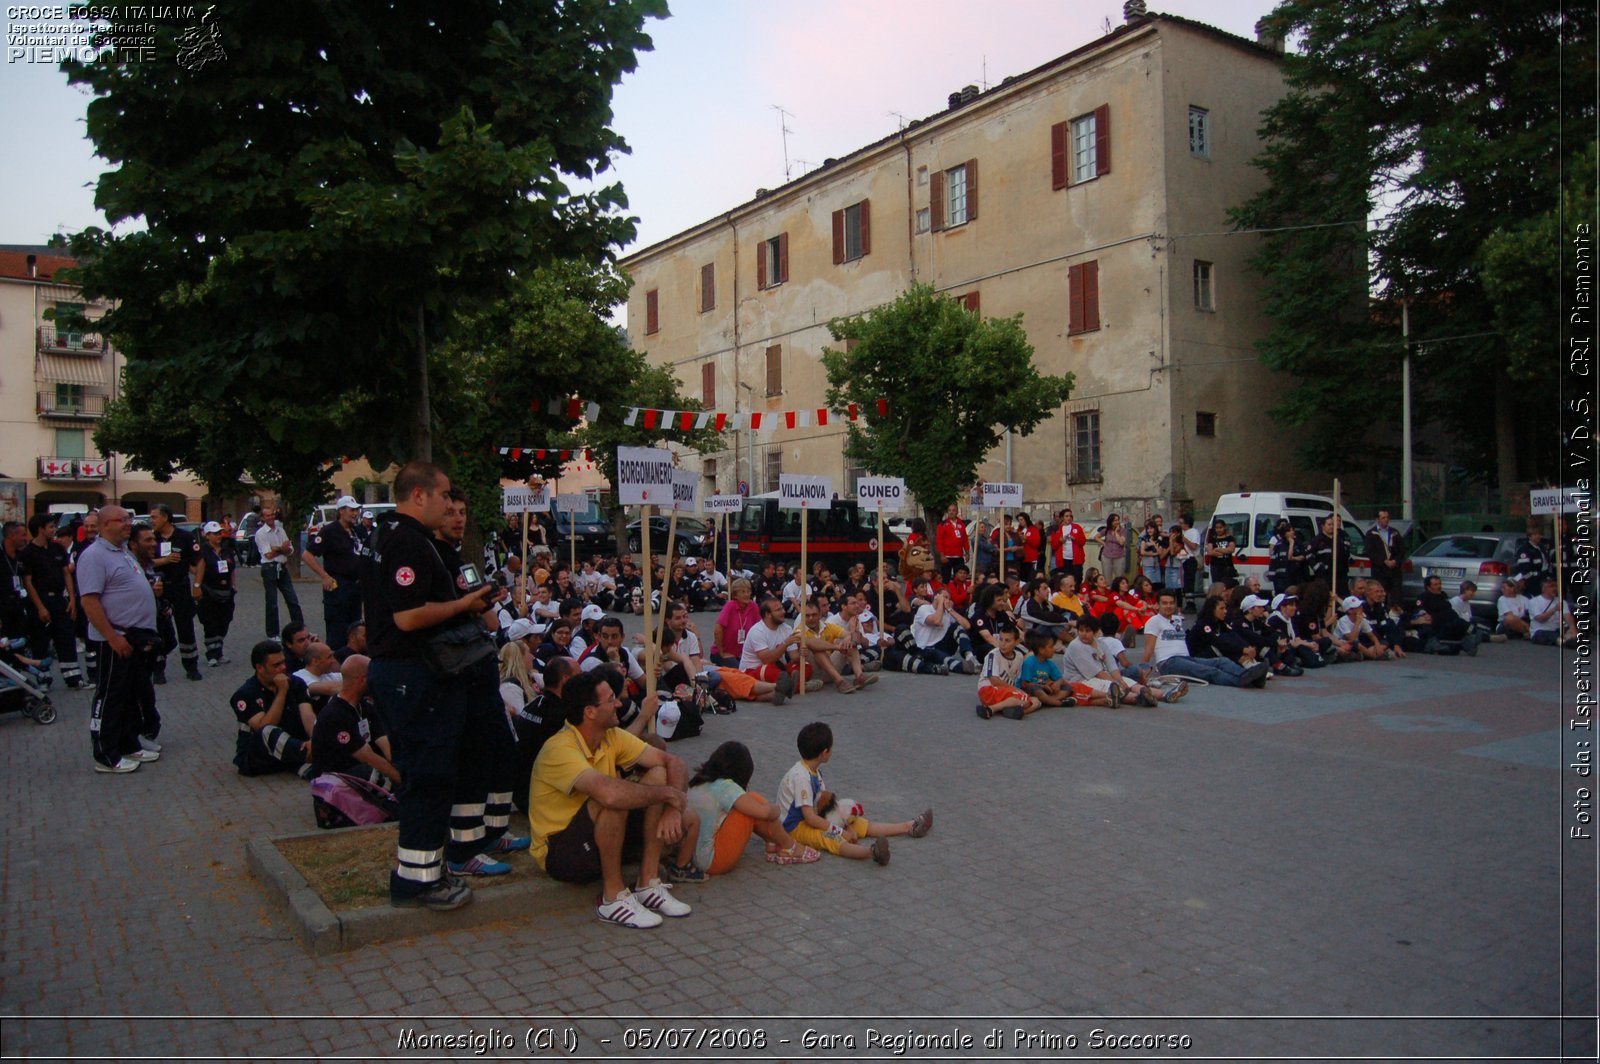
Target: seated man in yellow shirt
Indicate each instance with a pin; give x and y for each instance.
(586, 820)
(829, 648)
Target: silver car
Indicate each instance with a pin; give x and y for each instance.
(1485, 558)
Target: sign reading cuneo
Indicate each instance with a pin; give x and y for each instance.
(572, 503)
(685, 491)
(644, 476)
(881, 494)
(1558, 500)
(518, 499)
(724, 504)
(796, 492)
(999, 495)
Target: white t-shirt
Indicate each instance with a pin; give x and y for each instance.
(793, 592)
(1113, 649)
(1462, 607)
(925, 632)
(578, 646)
(546, 611)
(760, 639)
(307, 677)
(798, 789)
(598, 658)
(1168, 636)
(1346, 628)
(689, 644)
(1538, 606)
(511, 694)
(1191, 544)
(1000, 669)
(1516, 605)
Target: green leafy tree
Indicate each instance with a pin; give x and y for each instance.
(955, 382)
(1450, 121)
(310, 209)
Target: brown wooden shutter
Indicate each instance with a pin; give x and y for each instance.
(708, 287)
(970, 301)
(1102, 139)
(783, 257)
(761, 266)
(838, 237)
(936, 200)
(866, 227)
(652, 315)
(1091, 296)
(775, 369)
(972, 190)
(708, 384)
(1059, 138)
(1074, 299)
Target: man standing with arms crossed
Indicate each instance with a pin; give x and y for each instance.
(116, 599)
(272, 544)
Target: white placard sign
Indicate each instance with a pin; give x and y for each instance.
(685, 491)
(572, 503)
(1556, 500)
(724, 504)
(1002, 496)
(796, 492)
(644, 475)
(516, 500)
(881, 494)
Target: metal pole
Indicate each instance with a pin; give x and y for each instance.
(805, 600)
(1405, 414)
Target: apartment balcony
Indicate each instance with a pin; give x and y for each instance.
(80, 470)
(59, 407)
(67, 342)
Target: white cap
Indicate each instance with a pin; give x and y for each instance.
(667, 716)
(210, 527)
(592, 612)
(520, 628)
(1354, 602)
(1279, 600)
(1252, 601)
(691, 563)
(347, 502)
(367, 515)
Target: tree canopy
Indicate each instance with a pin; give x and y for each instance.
(311, 210)
(956, 381)
(1448, 124)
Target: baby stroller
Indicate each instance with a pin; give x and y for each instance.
(25, 684)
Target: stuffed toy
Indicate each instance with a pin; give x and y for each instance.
(838, 812)
(916, 562)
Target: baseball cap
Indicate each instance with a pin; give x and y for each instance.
(667, 716)
(520, 628)
(347, 502)
(1354, 602)
(1279, 600)
(691, 563)
(592, 612)
(367, 515)
(1252, 601)
(211, 526)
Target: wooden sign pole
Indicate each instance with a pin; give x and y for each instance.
(666, 576)
(522, 576)
(805, 600)
(649, 655)
(880, 568)
(1003, 541)
(727, 539)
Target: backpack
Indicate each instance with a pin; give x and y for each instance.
(691, 701)
(344, 801)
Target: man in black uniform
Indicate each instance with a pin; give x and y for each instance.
(1321, 557)
(410, 595)
(349, 736)
(262, 707)
(1533, 563)
(1387, 553)
(214, 590)
(44, 564)
(13, 595)
(176, 555)
(333, 553)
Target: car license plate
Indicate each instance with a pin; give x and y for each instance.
(1446, 574)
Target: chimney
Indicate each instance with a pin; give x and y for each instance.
(1267, 38)
(33, 265)
(966, 94)
(1133, 10)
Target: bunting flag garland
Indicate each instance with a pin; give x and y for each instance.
(650, 419)
(539, 454)
(722, 420)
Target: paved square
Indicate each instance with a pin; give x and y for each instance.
(1371, 840)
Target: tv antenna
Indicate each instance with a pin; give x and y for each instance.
(898, 117)
(784, 131)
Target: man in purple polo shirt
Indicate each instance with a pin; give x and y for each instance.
(116, 598)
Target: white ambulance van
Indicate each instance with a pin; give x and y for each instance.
(1252, 515)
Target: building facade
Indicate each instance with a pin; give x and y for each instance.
(1089, 195)
(54, 386)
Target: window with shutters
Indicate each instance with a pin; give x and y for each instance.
(775, 369)
(1204, 298)
(955, 184)
(1080, 150)
(969, 302)
(1083, 297)
(1085, 458)
(772, 261)
(70, 443)
(708, 287)
(953, 196)
(852, 476)
(708, 385)
(652, 311)
(774, 467)
(852, 232)
(1200, 132)
(1205, 423)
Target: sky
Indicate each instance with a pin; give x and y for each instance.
(700, 112)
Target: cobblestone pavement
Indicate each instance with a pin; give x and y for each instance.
(1372, 840)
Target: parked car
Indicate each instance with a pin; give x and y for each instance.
(244, 539)
(692, 540)
(329, 512)
(591, 527)
(1483, 557)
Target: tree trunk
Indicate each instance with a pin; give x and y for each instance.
(422, 429)
(1505, 440)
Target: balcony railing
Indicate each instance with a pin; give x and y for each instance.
(82, 343)
(76, 407)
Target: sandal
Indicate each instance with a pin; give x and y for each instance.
(984, 712)
(845, 687)
(796, 854)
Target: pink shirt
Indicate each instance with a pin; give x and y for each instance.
(736, 620)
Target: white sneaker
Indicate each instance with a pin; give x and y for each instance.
(657, 897)
(626, 911)
(147, 743)
(143, 755)
(122, 765)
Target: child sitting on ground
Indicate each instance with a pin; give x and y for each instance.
(1043, 678)
(998, 690)
(797, 798)
(1117, 652)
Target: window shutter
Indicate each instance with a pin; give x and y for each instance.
(1058, 155)
(1091, 296)
(783, 257)
(708, 384)
(761, 266)
(838, 237)
(936, 201)
(708, 287)
(866, 227)
(775, 369)
(1074, 299)
(652, 315)
(972, 190)
(1102, 139)
(970, 301)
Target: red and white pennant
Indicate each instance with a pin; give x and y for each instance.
(722, 421)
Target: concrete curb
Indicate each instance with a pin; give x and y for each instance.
(525, 893)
